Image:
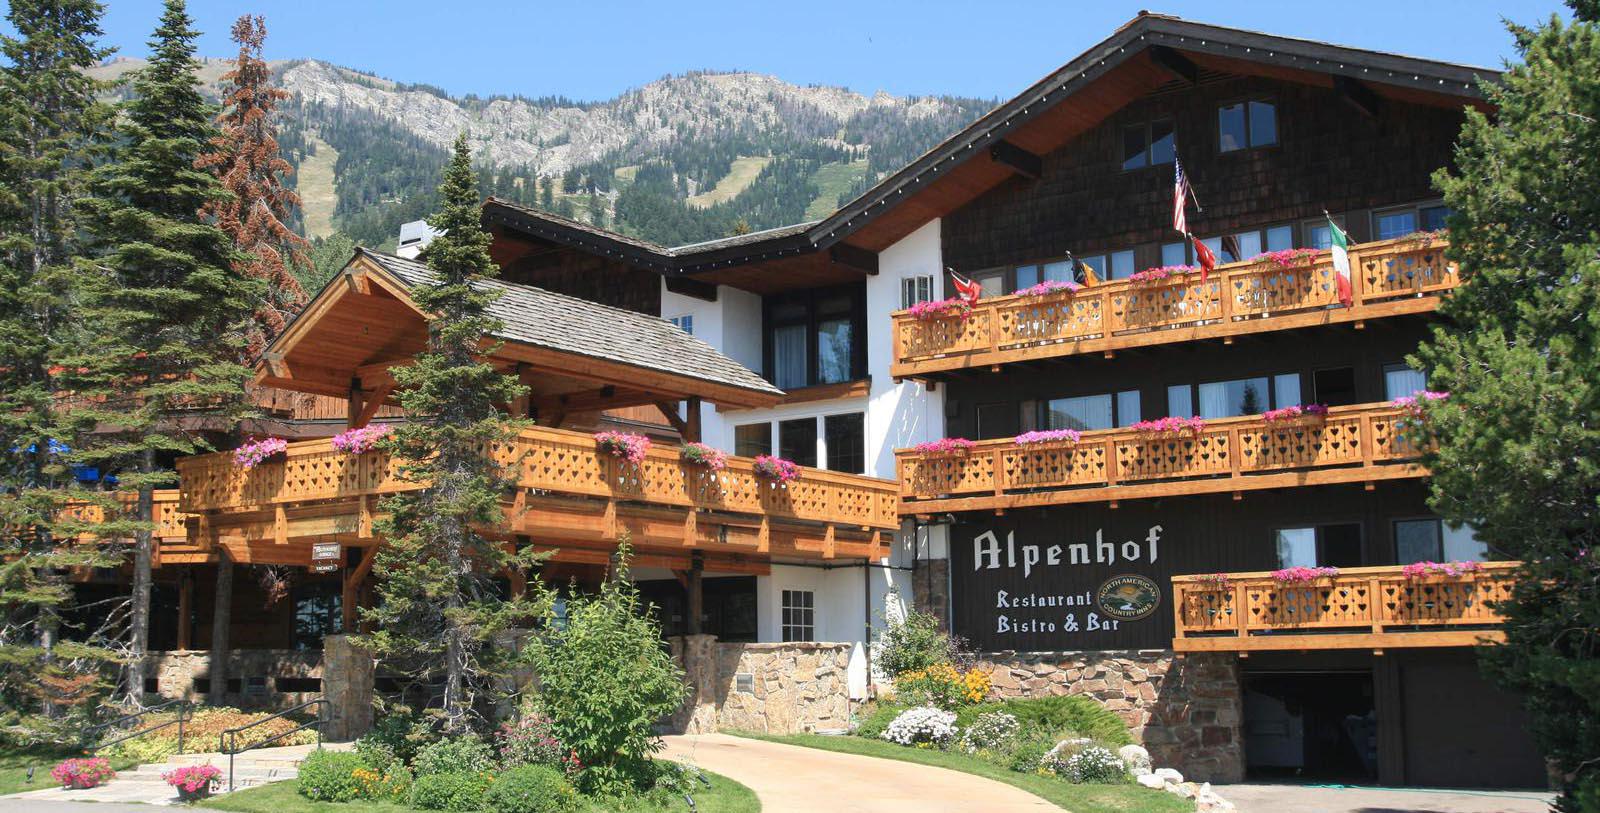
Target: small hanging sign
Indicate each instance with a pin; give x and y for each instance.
(325, 557)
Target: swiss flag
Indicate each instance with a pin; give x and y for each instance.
(1208, 261)
(968, 289)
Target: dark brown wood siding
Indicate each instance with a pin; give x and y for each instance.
(1328, 156)
(1202, 534)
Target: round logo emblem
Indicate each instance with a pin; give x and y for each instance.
(1129, 597)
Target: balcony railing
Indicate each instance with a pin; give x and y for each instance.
(1351, 444)
(1392, 277)
(1363, 607)
(544, 461)
(169, 522)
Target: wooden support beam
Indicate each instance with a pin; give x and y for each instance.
(696, 601)
(350, 595)
(690, 528)
(691, 419)
(1355, 93)
(1016, 159)
(373, 402)
(1175, 63)
(185, 607)
(855, 257)
(280, 525)
(669, 410)
(692, 287)
(829, 545)
(764, 536)
(353, 401)
(364, 517)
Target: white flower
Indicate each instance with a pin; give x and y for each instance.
(990, 730)
(924, 724)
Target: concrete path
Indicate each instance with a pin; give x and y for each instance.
(144, 785)
(792, 779)
(1263, 798)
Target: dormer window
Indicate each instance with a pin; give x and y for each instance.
(1243, 125)
(1148, 144)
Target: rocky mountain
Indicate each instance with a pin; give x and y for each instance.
(680, 159)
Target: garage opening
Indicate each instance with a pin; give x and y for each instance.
(1310, 725)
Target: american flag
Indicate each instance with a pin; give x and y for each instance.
(1180, 196)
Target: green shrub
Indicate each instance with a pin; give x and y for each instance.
(1024, 753)
(456, 791)
(916, 644)
(531, 789)
(395, 737)
(604, 680)
(878, 719)
(1079, 715)
(533, 741)
(330, 776)
(463, 754)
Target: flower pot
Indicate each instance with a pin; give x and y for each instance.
(186, 795)
(82, 783)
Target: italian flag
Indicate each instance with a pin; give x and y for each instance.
(1340, 244)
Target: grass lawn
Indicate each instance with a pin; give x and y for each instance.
(724, 796)
(14, 769)
(1128, 798)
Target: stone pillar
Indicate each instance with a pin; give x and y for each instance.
(347, 684)
(930, 589)
(698, 656)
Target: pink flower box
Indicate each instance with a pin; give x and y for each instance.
(629, 447)
(256, 452)
(361, 439)
(776, 469)
(945, 446)
(1047, 436)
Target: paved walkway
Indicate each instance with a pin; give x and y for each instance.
(792, 779)
(1262, 798)
(144, 785)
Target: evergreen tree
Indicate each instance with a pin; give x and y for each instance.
(167, 307)
(1518, 452)
(246, 159)
(438, 604)
(51, 129)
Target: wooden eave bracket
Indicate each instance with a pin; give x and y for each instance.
(1017, 159)
(855, 257)
(1356, 94)
(1176, 64)
(692, 287)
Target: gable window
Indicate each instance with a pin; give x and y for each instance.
(1320, 546)
(1431, 540)
(752, 439)
(1246, 124)
(799, 615)
(685, 323)
(1148, 144)
(916, 289)
(816, 336)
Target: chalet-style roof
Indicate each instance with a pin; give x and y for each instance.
(545, 319)
(1148, 53)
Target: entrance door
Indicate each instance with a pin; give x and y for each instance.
(1310, 725)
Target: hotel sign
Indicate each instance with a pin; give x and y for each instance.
(325, 557)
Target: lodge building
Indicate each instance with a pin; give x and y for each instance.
(1127, 563)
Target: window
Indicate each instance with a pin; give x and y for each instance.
(916, 289)
(1396, 224)
(1180, 401)
(1401, 222)
(1241, 396)
(1148, 145)
(1400, 381)
(797, 441)
(1434, 217)
(1174, 253)
(1320, 546)
(995, 421)
(1336, 387)
(1088, 412)
(1232, 248)
(1246, 124)
(1431, 540)
(815, 336)
(846, 439)
(799, 616)
(1097, 263)
(1031, 275)
(992, 281)
(752, 439)
(1318, 236)
(1280, 238)
(317, 612)
(685, 323)
(1121, 264)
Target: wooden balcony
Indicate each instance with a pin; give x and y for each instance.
(564, 490)
(1390, 278)
(1360, 443)
(1361, 608)
(171, 534)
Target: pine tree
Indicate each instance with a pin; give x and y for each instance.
(438, 605)
(1518, 451)
(246, 159)
(166, 306)
(51, 130)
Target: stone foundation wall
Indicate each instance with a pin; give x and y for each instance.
(186, 674)
(1186, 711)
(770, 688)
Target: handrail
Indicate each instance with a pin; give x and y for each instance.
(183, 717)
(228, 741)
(1240, 297)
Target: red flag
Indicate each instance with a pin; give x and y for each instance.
(968, 289)
(1208, 261)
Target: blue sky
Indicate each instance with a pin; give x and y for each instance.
(594, 49)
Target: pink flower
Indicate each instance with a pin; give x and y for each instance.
(1154, 275)
(1218, 580)
(192, 778)
(1290, 413)
(361, 439)
(699, 454)
(776, 469)
(82, 773)
(1288, 257)
(945, 446)
(1303, 575)
(253, 453)
(1047, 436)
(1171, 426)
(1418, 570)
(631, 448)
(955, 306)
(1050, 286)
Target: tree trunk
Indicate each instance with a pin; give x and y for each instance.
(455, 714)
(139, 621)
(221, 618)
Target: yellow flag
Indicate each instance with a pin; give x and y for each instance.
(1089, 276)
